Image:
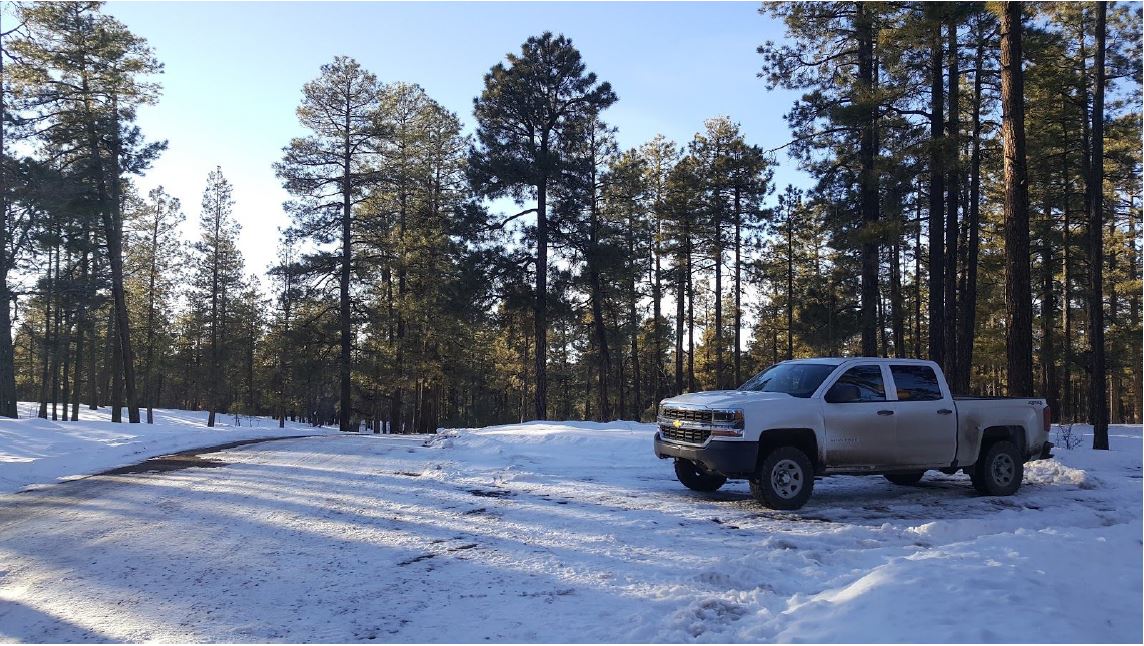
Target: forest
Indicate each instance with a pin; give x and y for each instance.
(976, 201)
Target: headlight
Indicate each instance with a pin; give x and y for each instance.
(728, 423)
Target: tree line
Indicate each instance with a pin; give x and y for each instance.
(975, 201)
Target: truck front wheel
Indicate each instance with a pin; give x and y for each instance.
(697, 479)
(785, 479)
(999, 471)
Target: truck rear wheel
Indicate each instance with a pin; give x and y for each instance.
(784, 480)
(697, 479)
(905, 479)
(999, 471)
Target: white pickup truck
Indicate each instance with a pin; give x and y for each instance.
(805, 418)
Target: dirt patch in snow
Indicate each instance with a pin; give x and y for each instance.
(186, 459)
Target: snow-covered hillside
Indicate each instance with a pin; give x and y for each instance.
(39, 451)
(565, 532)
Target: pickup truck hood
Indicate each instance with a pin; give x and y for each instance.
(723, 398)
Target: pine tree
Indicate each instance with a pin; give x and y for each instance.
(523, 113)
(80, 77)
(329, 171)
(217, 276)
(154, 258)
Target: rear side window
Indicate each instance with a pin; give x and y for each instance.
(915, 383)
(867, 379)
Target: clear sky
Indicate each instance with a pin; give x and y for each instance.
(234, 73)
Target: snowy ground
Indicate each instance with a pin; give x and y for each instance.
(565, 533)
(37, 451)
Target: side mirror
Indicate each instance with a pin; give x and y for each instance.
(842, 393)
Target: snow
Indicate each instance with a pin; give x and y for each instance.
(565, 532)
(36, 451)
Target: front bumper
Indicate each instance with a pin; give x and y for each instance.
(734, 459)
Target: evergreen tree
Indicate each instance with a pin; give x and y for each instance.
(523, 114)
(329, 171)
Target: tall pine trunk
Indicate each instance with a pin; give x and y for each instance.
(868, 184)
(1018, 291)
(7, 351)
(344, 312)
(738, 286)
(953, 190)
(967, 320)
(937, 267)
(541, 311)
(1098, 390)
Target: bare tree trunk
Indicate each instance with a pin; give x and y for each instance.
(1068, 402)
(937, 267)
(690, 309)
(1097, 398)
(968, 318)
(897, 315)
(541, 312)
(918, 271)
(790, 282)
(1018, 291)
(113, 223)
(869, 185)
(603, 359)
(738, 287)
(953, 188)
(656, 303)
(680, 297)
(718, 258)
(1049, 383)
(7, 351)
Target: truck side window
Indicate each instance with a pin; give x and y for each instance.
(915, 383)
(858, 384)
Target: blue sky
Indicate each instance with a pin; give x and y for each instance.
(234, 73)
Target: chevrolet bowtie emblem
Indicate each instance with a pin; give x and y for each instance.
(677, 423)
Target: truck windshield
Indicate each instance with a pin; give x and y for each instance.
(794, 379)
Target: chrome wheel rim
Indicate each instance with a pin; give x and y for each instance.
(786, 479)
(1003, 469)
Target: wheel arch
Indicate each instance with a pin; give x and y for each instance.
(804, 439)
(1014, 434)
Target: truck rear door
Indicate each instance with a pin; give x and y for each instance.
(925, 415)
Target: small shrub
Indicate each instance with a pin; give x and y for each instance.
(1069, 438)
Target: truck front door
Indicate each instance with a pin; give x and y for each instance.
(859, 422)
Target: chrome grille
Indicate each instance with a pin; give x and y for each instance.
(689, 435)
(698, 416)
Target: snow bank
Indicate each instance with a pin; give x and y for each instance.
(39, 451)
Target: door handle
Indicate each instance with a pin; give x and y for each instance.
(944, 411)
(885, 412)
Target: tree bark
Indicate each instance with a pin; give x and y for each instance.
(738, 286)
(868, 184)
(541, 309)
(344, 313)
(1018, 291)
(1049, 383)
(953, 189)
(1098, 390)
(937, 267)
(967, 321)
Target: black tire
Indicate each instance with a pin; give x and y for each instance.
(999, 471)
(697, 479)
(785, 479)
(906, 479)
